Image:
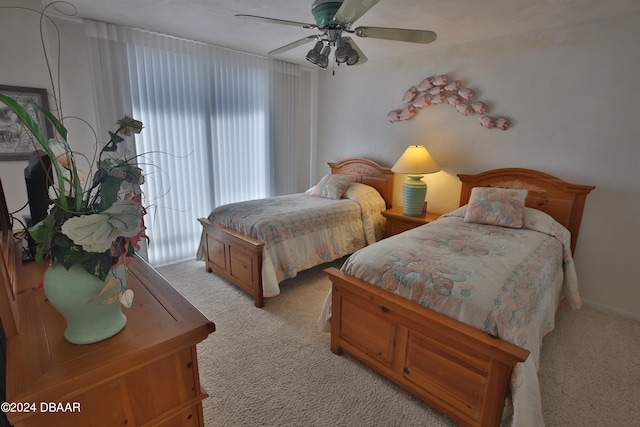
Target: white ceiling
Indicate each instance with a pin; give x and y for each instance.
(455, 21)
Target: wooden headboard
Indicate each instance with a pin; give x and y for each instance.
(560, 199)
(368, 172)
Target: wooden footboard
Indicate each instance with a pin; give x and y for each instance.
(459, 370)
(236, 257)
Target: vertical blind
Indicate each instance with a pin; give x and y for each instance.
(218, 126)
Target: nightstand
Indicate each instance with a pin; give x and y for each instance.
(397, 221)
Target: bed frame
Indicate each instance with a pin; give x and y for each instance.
(461, 371)
(238, 257)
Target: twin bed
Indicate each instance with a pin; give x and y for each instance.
(453, 311)
(257, 244)
(459, 307)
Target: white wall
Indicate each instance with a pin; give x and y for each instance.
(572, 95)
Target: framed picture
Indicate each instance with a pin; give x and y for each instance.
(16, 142)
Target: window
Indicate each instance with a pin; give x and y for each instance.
(210, 130)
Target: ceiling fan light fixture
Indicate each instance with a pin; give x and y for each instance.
(314, 54)
(323, 61)
(352, 54)
(342, 51)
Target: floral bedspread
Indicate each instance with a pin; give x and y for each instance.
(301, 231)
(507, 282)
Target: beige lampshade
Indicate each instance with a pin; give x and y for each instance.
(415, 160)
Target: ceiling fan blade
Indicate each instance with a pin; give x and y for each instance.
(355, 47)
(351, 10)
(292, 45)
(397, 34)
(277, 21)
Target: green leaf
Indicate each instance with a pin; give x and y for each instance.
(112, 144)
(110, 186)
(42, 234)
(55, 122)
(75, 179)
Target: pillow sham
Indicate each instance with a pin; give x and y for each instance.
(317, 189)
(496, 206)
(332, 186)
(356, 191)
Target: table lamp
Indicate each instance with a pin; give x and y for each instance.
(415, 162)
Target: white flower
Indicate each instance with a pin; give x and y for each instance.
(96, 232)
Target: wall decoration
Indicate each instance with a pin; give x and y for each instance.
(15, 141)
(436, 90)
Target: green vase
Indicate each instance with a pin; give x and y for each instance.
(74, 293)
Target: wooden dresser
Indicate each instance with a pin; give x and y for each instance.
(146, 375)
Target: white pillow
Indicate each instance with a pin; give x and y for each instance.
(332, 186)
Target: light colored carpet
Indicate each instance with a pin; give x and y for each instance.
(272, 367)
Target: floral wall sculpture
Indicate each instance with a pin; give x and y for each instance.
(436, 90)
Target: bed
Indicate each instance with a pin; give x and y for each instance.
(457, 366)
(257, 253)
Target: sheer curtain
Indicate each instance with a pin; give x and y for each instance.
(218, 126)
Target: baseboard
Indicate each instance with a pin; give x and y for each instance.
(611, 310)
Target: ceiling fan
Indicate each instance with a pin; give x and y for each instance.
(334, 18)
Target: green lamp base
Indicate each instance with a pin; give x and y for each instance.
(414, 191)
